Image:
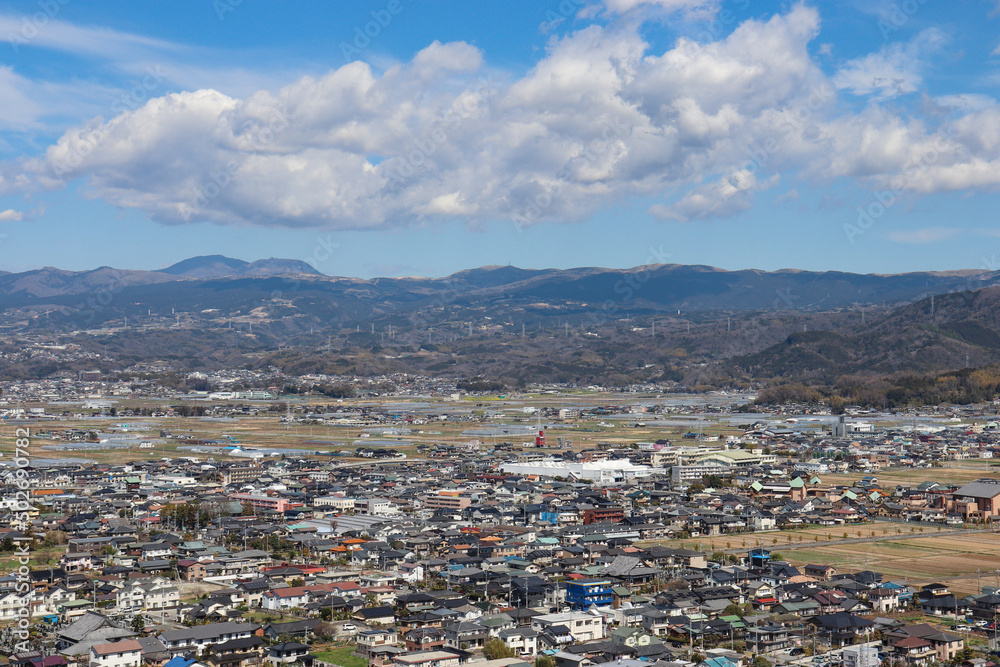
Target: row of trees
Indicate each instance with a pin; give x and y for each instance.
(959, 387)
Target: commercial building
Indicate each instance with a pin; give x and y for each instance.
(265, 502)
(584, 593)
(602, 473)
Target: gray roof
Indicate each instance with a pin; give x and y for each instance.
(90, 623)
(978, 490)
(201, 632)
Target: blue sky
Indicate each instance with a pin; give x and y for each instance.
(401, 138)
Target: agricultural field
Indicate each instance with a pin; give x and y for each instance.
(953, 472)
(782, 540)
(951, 559)
(341, 655)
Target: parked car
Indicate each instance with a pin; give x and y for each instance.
(348, 627)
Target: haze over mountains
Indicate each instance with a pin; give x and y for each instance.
(652, 288)
(694, 325)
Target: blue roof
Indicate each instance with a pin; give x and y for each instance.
(719, 662)
(180, 661)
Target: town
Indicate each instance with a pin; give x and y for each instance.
(430, 526)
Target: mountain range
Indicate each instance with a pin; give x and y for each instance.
(696, 325)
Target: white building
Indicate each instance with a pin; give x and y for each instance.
(335, 503)
(861, 656)
(148, 595)
(127, 653)
(584, 626)
(603, 473)
(374, 506)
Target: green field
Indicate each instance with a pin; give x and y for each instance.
(341, 655)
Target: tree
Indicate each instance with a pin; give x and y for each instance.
(496, 648)
(732, 610)
(545, 661)
(760, 661)
(138, 623)
(297, 582)
(247, 509)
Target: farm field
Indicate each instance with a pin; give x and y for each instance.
(782, 539)
(952, 559)
(949, 474)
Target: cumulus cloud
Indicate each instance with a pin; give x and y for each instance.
(601, 118)
(10, 215)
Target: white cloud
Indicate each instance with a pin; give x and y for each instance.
(894, 70)
(690, 8)
(922, 236)
(26, 31)
(599, 119)
(10, 215)
(966, 101)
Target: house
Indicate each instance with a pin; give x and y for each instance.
(914, 651)
(424, 639)
(583, 626)
(283, 599)
(523, 640)
(841, 627)
(369, 641)
(820, 572)
(303, 629)
(78, 561)
(148, 595)
(946, 645)
(198, 637)
(192, 570)
(427, 659)
(883, 599)
(376, 616)
(244, 652)
(126, 653)
(287, 652)
(93, 628)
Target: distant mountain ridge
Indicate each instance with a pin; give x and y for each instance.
(699, 325)
(660, 288)
(220, 266)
